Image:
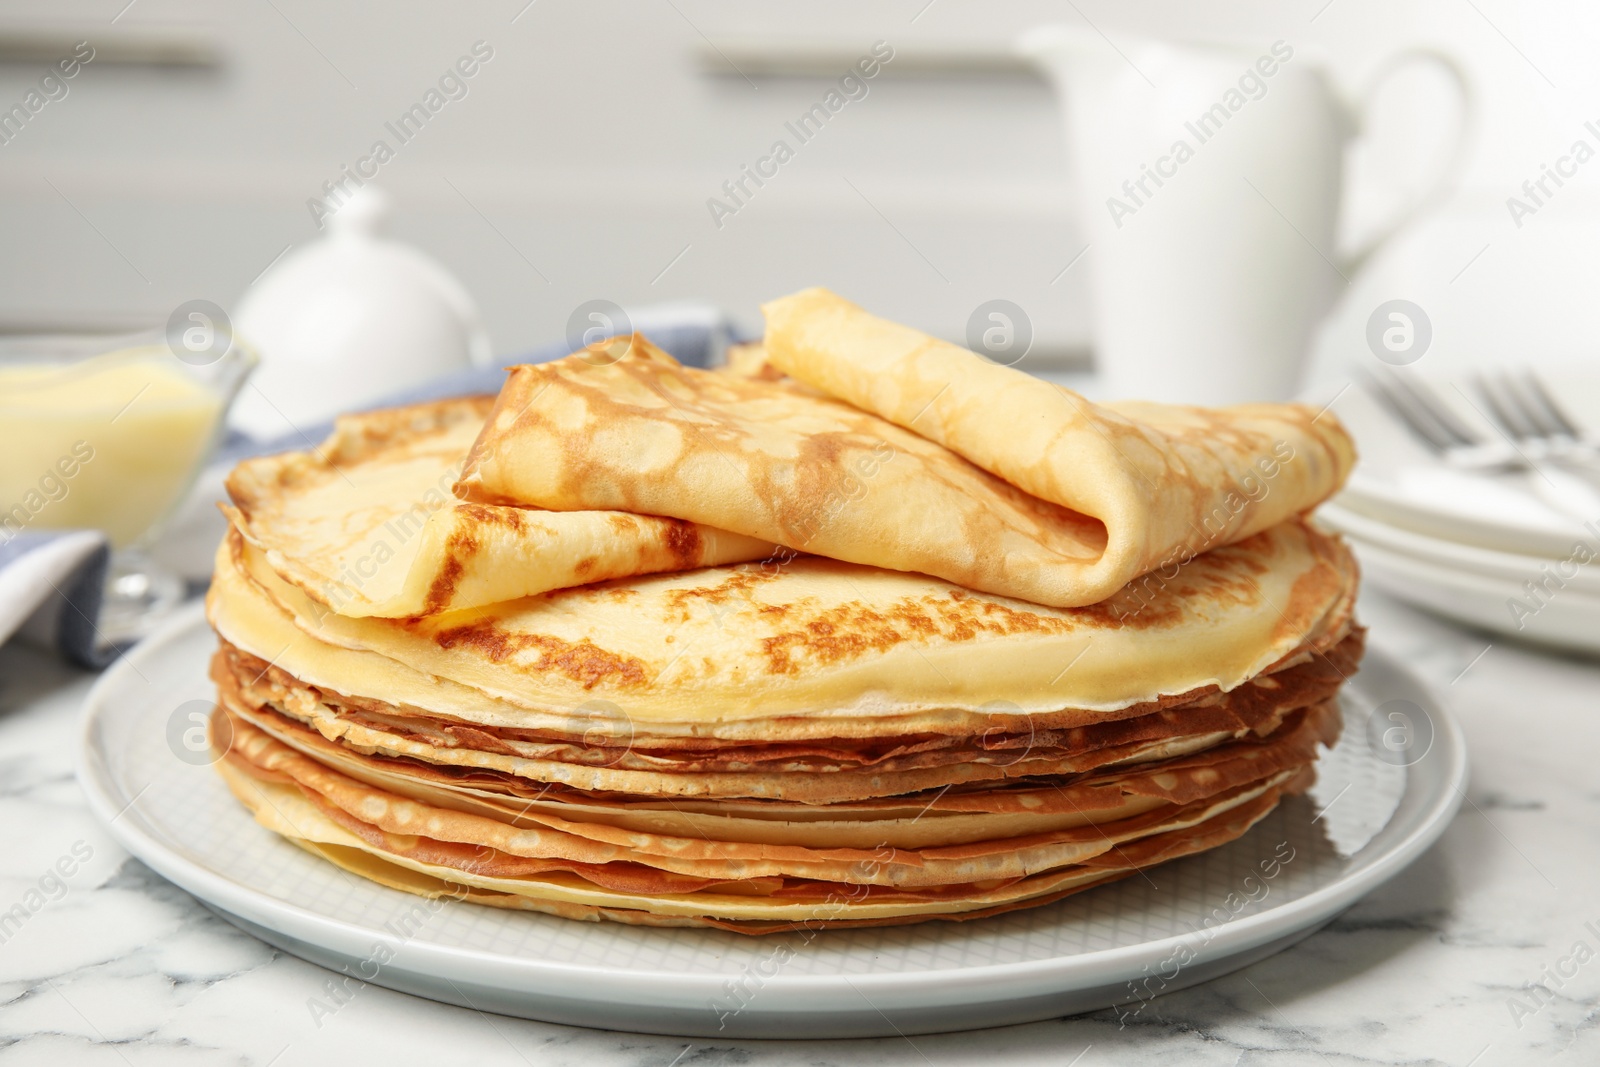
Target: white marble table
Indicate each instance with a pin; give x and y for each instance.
(109, 964)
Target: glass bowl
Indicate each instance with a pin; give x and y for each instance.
(109, 433)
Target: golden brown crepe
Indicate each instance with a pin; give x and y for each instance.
(642, 434)
(594, 690)
(618, 755)
(749, 360)
(570, 837)
(366, 523)
(700, 880)
(815, 648)
(1164, 482)
(432, 868)
(375, 743)
(637, 432)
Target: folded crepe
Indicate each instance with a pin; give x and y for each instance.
(815, 648)
(616, 711)
(938, 463)
(539, 755)
(764, 747)
(366, 523)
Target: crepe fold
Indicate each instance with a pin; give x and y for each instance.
(920, 457)
(366, 524)
(546, 755)
(761, 651)
(817, 648)
(1165, 482)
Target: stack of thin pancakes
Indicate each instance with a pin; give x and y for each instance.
(814, 643)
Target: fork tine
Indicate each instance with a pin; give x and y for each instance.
(1503, 410)
(1496, 388)
(1404, 410)
(1515, 394)
(1541, 396)
(1427, 400)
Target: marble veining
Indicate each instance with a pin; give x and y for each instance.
(1485, 952)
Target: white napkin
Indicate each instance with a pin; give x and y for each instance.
(50, 589)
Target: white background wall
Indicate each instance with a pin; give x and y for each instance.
(590, 143)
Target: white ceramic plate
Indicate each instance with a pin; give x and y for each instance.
(1385, 794)
(1566, 618)
(1399, 482)
(1454, 557)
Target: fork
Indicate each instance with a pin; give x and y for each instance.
(1420, 410)
(1542, 431)
(1524, 410)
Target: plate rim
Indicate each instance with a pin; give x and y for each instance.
(975, 984)
(1440, 576)
(1366, 486)
(1486, 562)
(1384, 496)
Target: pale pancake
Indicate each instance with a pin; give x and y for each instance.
(366, 523)
(813, 641)
(296, 819)
(921, 820)
(297, 798)
(749, 360)
(1255, 706)
(1162, 482)
(264, 696)
(593, 687)
(541, 836)
(637, 432)
(1160, 848)
(690, 829)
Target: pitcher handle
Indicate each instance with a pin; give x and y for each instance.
(1449, 170)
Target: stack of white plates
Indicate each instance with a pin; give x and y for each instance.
(1508, 552)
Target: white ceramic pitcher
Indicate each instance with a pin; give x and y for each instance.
(1209, 181)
